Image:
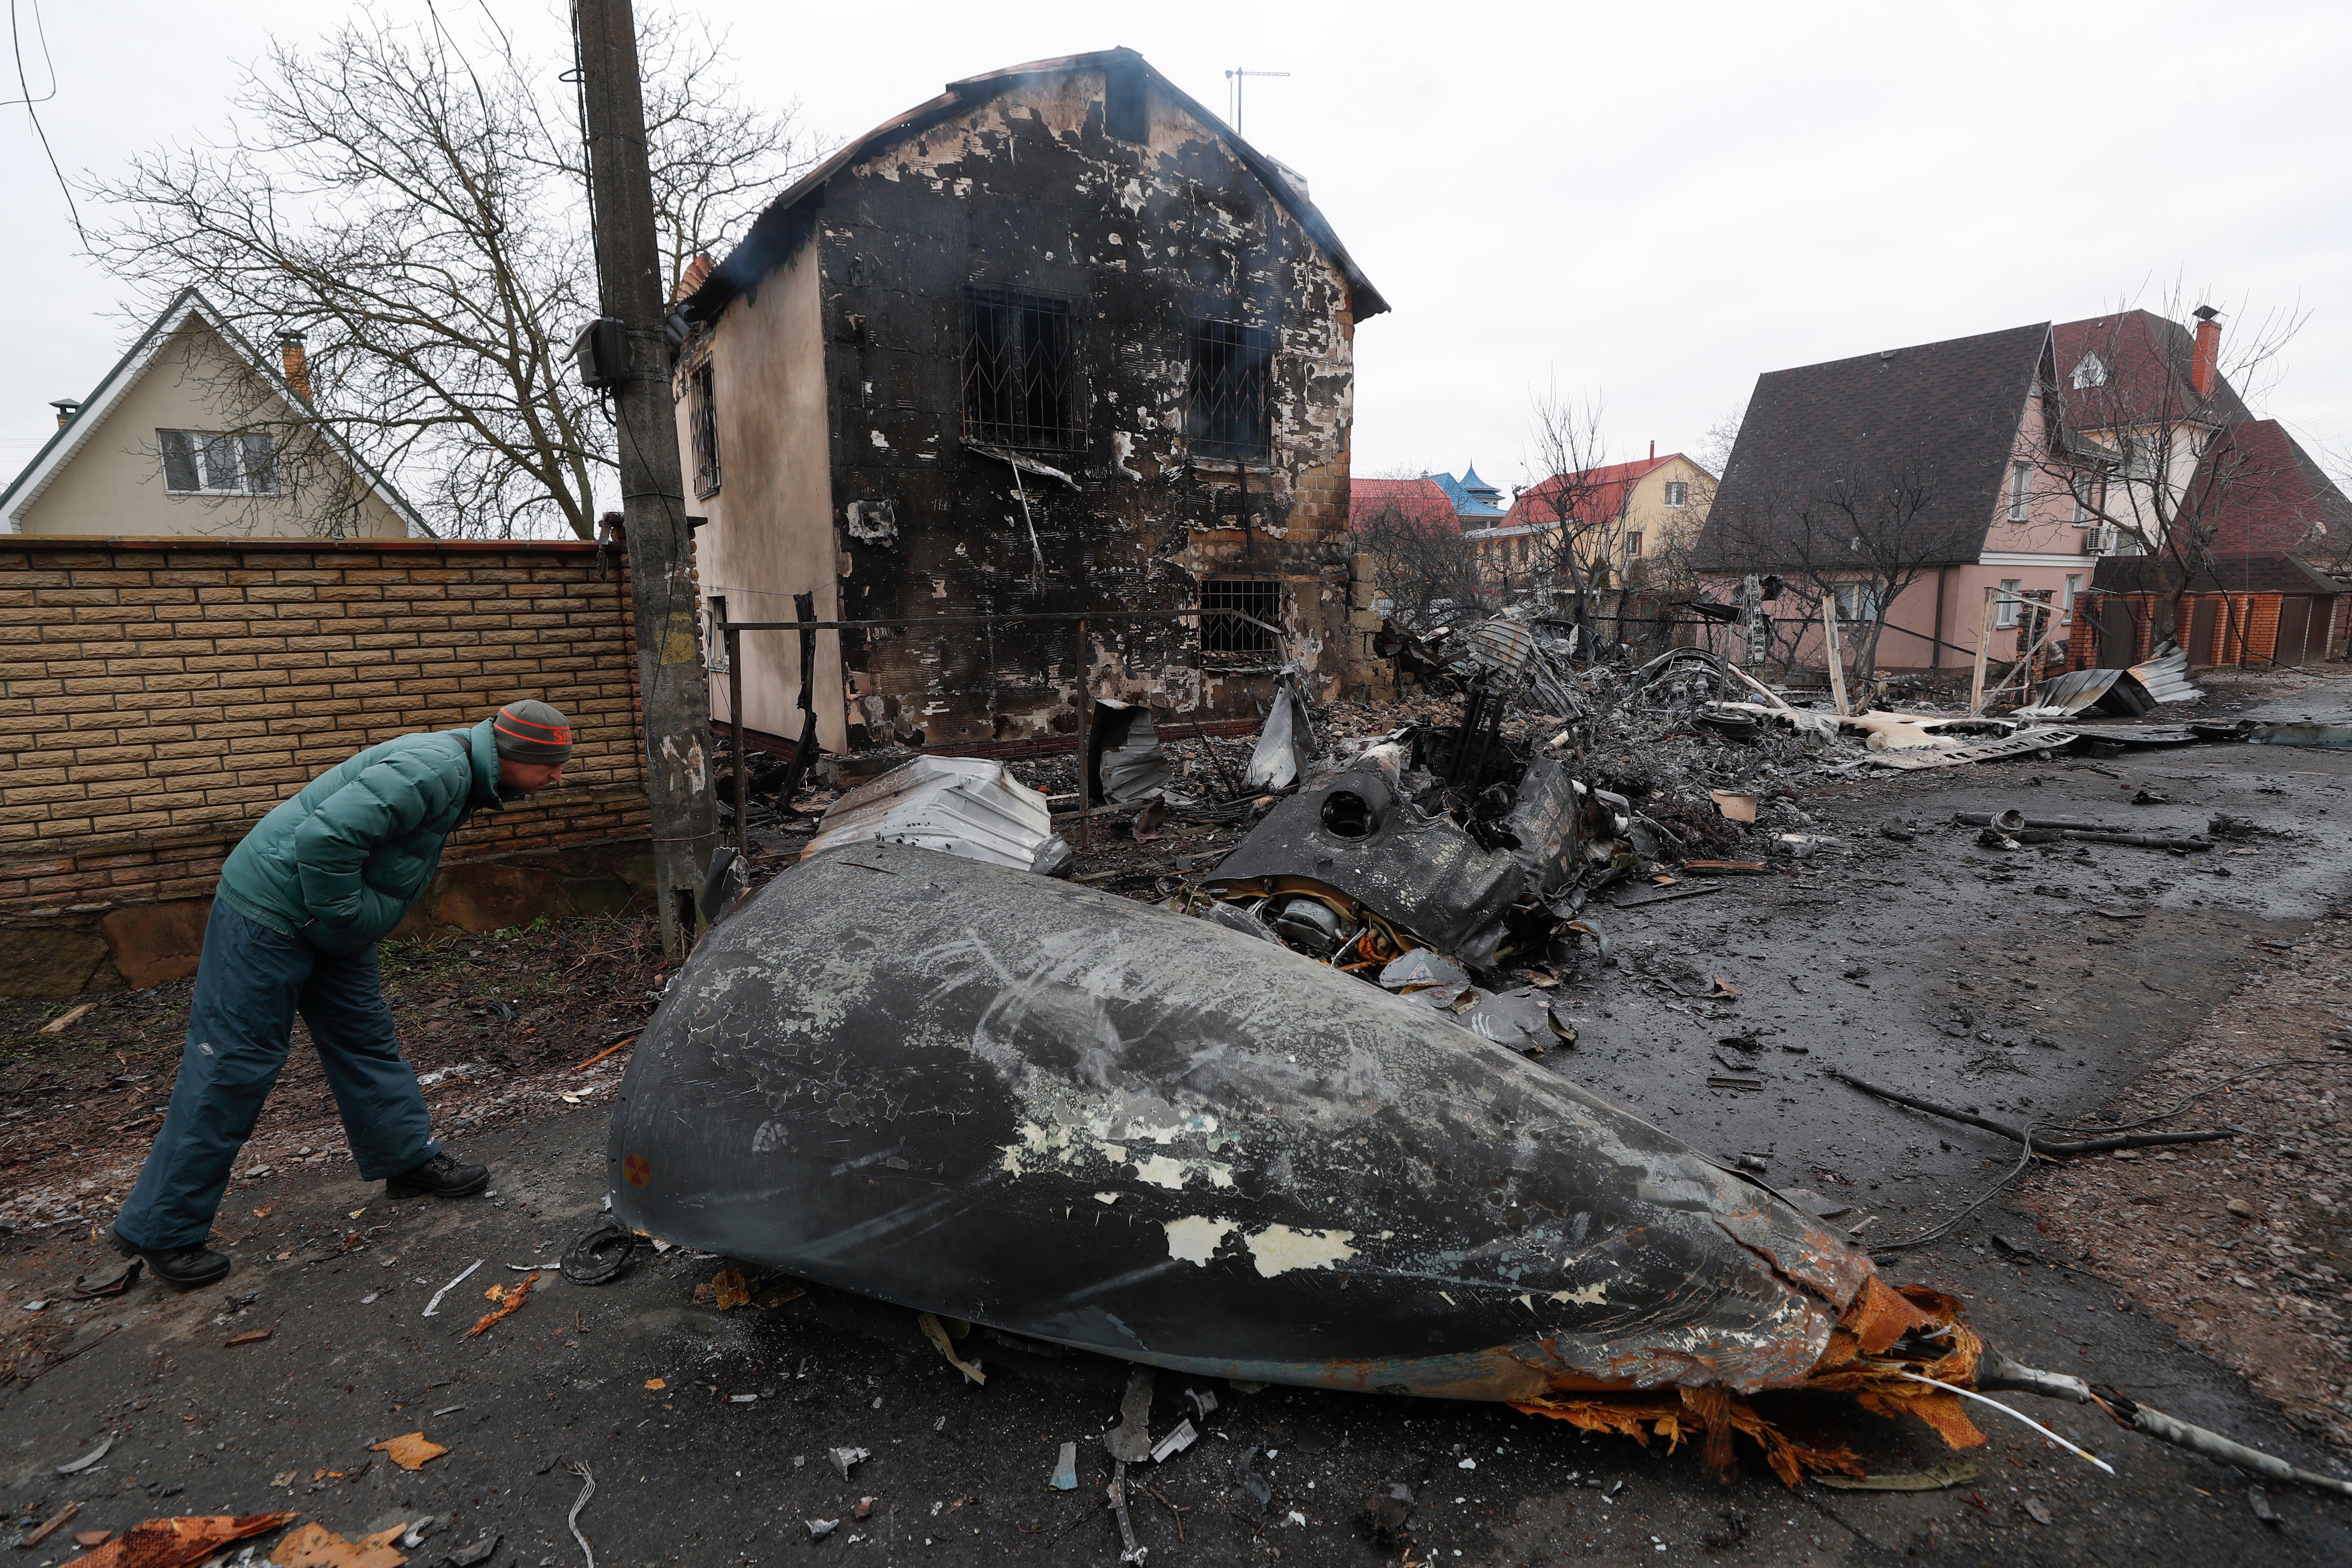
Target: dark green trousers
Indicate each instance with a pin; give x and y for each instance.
(250, 984)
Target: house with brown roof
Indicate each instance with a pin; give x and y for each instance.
(1963, 484)
(1057, 340)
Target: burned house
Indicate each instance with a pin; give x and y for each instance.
(1057, 340)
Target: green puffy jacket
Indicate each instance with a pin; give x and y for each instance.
(340, 864)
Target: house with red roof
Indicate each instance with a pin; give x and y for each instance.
(2273, 583)
(1616, 517)
(1415, 506)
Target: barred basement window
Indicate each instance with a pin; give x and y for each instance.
(1017, 372)
(1227, 403)
(1257, 597)
(704, 415)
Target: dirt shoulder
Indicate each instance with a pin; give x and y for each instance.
(494, 1024)
(2244, 1246)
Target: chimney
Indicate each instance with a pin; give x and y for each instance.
(67, 408)
(1654, 449)
(297, 360)
(2202, 365)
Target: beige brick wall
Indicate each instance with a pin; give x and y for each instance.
(157, 697)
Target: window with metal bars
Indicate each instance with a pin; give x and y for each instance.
(1017, 372)
(703, 413)
(1227, 404)
(1257, 597)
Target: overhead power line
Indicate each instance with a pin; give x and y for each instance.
(24, 85)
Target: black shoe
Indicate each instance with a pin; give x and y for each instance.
(186, 1266)
(440, 1177)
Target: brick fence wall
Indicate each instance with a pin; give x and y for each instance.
(157, 697)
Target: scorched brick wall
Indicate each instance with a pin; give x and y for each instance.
(158, 697)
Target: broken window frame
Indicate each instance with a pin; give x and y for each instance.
(1857, 602)
(217, 462)
(1126, 108)
(715, 658)
(1229, 393)
(1259, 597)
(702, 419)
(1020, 371)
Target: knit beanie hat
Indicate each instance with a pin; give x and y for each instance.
(532, 732)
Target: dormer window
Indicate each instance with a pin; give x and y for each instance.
(218, 463)
(2090, 370)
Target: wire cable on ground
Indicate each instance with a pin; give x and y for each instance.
(578, 1467)
(2186, 1102)
(2023, 1160)
(2006, 1410)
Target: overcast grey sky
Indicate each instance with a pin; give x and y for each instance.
(1653, 203)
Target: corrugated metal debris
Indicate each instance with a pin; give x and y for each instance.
(1124, 762)
(957, 806)
(2079, 691)
(2165, 676)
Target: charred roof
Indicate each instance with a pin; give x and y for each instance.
(780, 227)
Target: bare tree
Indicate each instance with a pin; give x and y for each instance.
(2147, 400)
(417, 214)
(1576, 512)
(1713, 451)
(1858, 535)
(1425, 568)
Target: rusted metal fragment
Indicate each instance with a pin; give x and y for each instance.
(991, 1096)
(1884, 1336)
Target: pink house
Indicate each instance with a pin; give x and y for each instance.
(1928, 476)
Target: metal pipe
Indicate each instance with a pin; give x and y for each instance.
(805, 749)
(1086, 711)
(734, 644)
(1000, 620)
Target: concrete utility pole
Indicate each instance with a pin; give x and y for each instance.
(670, 677)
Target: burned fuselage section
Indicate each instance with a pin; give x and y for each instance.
(1451, 838)
(982, 1093)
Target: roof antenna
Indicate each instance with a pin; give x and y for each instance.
(1234, 91)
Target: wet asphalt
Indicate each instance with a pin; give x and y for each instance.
(1854, 961)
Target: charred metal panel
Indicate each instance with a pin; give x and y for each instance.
(1546, 818)
(1139, 242)
(1417, 870)
(981, 1093)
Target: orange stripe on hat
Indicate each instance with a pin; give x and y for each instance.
(507, 723)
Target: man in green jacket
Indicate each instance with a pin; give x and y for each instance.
(303, 902)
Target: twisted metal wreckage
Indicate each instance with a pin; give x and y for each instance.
(1286, 1139)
